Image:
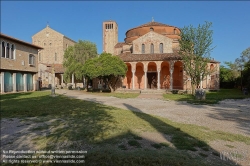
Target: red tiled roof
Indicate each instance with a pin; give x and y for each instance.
(58, 68)
(128, 57)
(20, 41)
(153, 23)
(118, 45)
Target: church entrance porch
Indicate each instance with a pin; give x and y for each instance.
(152, 80)
(165, 75)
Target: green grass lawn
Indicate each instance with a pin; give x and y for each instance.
(211, 97)
(114, 134)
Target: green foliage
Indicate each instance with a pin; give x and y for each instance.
(75, 56)
(226, 74)
(106, 67)
(240, 68)
(195, 48)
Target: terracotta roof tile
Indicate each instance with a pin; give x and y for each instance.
(119, 45)
(128, 57)
(20, 41)
(58, 68)
(153, 23)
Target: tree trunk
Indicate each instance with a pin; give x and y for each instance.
(87, 85)
(110, 87)
(193, 88)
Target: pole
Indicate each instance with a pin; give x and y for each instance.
(241, 78)
(53, 81)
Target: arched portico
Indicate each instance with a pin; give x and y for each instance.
(178, 75)
(128, 78)
(165, 75)
(154, 75)
(139, 76)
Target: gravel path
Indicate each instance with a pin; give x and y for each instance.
(229, 115)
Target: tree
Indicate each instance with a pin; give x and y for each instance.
(227, 77)
(106, 67)
(75, 56)
(245, 59)
(239, 68)
(195, 48)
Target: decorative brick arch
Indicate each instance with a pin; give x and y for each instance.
(178, 75)
(127, 81)
(165, 75)
(139, 76)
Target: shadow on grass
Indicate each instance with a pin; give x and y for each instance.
(72, 124)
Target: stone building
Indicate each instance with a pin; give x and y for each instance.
(19, 65)
(54, 44)
(150, 52)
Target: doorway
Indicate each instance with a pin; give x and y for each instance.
(152, 80)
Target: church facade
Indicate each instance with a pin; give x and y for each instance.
(150, 52)
(51, 56)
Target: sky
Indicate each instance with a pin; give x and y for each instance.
(82, 20)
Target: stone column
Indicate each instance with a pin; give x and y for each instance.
(2, 82)
(145, 79)
(158, 79)
(61, 79)
(25, 82)
(171, 74)
(14, 82)
(133, 79)
(34, 82)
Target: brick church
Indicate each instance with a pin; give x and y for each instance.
(150, 52)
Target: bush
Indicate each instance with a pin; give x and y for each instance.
(175, 91)
(70, 87)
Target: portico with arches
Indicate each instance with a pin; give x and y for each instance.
(154, 75)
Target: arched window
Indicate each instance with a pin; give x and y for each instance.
(143, 48)
(13, 56)
(8, 51)
(55, 56)
(152, 48)
(161, 48)
(3, 49)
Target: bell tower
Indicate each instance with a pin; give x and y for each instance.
(110, 36)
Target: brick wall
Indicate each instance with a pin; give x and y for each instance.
(155, 39)
(21, 61)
